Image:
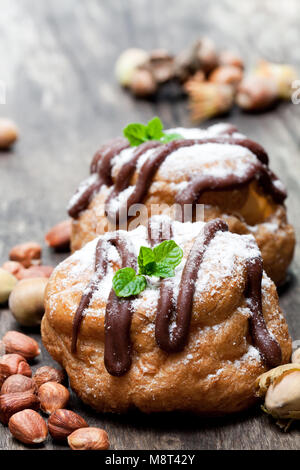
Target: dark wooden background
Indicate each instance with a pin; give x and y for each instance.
(57, 60)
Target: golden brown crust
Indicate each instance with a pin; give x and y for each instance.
(213, 375)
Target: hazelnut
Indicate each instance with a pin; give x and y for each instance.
(283, 396)
(282, 74)
(7, 283)
(16, 364)
(59, 236)
(17, 383)
(227, 74)
(8, 133)
(88, 439)
(48, 374)
(264, 381)
(63, 422)
(127, 63)
(13, 267)
(28, 427)
(19, 343)
(11, 403)
(27, 301)
(161, 64)
(143, 83)
(26, 253)
(4, 373)
(35, 271)
(296, 356)
(256, 93)
(53, 396)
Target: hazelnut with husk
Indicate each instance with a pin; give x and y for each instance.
(127, 64)
(256, 93)
(282, 74)
(208, 99)
(281, 388)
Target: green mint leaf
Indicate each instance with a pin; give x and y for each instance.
(136, 133)
(145, 258)
(127, 283)
(168, 253)
(169, 137)
(162, 270)
(155, 129)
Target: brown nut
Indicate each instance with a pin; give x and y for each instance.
(227, 74)
(143, 83)
(19, 343)
(48, 374)
(8, 133)
(16, 364)
(13, 267)
(88, 439)
(17, 383)
(26, 301)
(11, 403)
(63, 422)
(256, 93)
(59, 236)
(7, 283)
(128, 62)
(26, 253)
(28, 427)
(53, 396)
(4, 373)
(35, 271)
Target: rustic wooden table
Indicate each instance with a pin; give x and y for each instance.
(57, 60)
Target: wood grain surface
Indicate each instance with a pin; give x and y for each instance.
(57, 61)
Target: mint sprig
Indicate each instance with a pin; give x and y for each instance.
(138, 133)
(160, 261)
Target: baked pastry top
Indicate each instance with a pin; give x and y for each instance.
(219, 168)
(196, 341)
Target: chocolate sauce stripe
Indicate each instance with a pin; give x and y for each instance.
(102, 164)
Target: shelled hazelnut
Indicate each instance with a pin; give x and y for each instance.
(88, 439)
(28, 426)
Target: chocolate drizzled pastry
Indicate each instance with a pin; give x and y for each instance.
(117, 355)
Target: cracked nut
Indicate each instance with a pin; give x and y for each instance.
(88, 439)
(17, 364)
(53, 396)
(19, 343)
(17, 383)
(264, 381)
(282, 399)
(7, 283)
(48, 374)
(63, 422)
(28, 427)
(26, 301)
(11, 403)
(59, 236)
(27, 254)
(8, 133)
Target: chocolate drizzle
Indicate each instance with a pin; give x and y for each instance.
(174, 340)
(262, 339)
(102, 167)
(118, 316)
